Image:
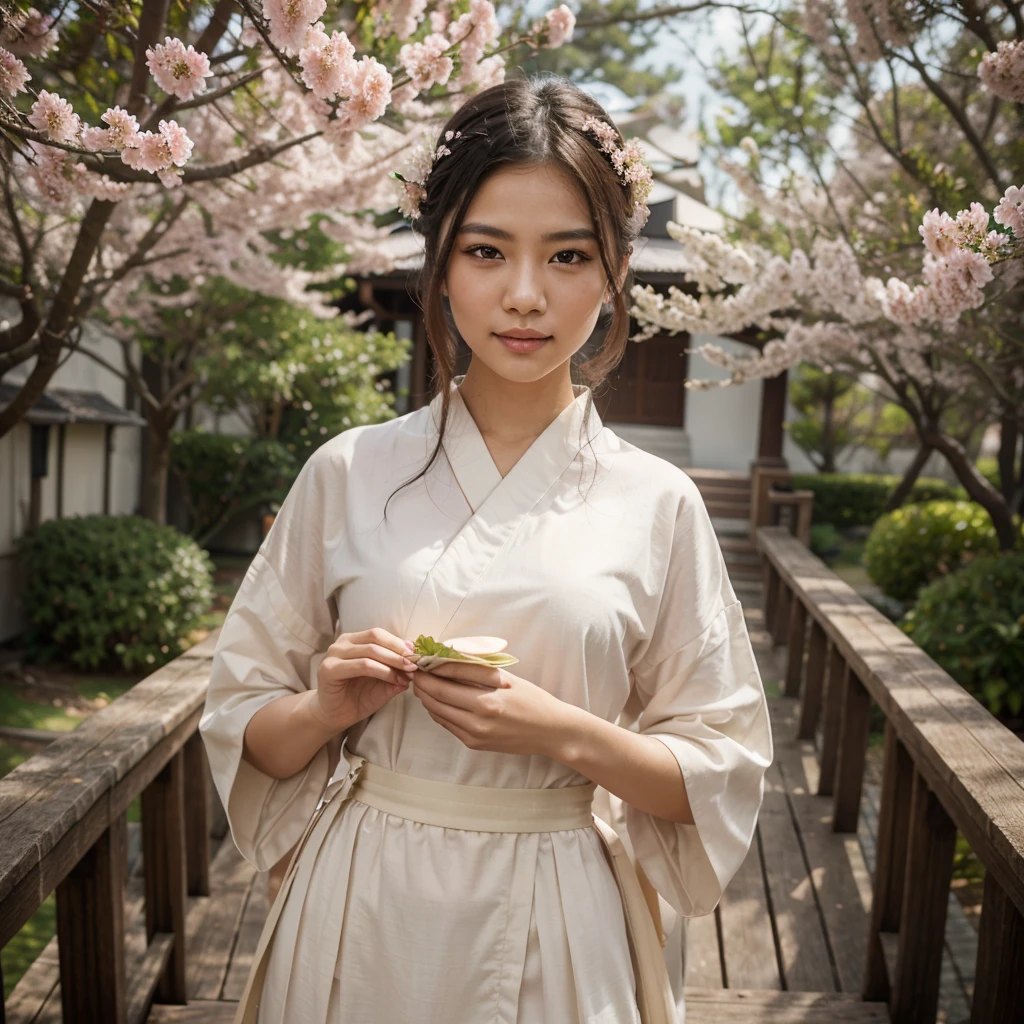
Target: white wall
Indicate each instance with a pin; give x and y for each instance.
(722, 422)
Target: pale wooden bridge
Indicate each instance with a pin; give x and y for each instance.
(842, 912)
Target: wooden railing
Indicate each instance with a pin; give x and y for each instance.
(63, 827)
(948, 765)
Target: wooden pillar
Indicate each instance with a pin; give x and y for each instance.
(780, 620)
(929, 870)
(837, 671)
(90, 932)
(197, 812)
(163, 851)
(62, 436)
(814, 682)
(890, 863)
(418, 384)
(770, 583)
(773, 414)
(853, 745)
(108, 454)
(796, 635)
(999, 973)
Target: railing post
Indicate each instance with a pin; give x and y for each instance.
(890, 863)
(780, 621)
(197, 811)
(814, 681)
(999, 973)
(163, 852)
(929, 871)
(853, 745)
(795, 638)
(770, 581)
(90, 932)
(837, 672)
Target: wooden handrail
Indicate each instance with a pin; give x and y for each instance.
(62, 826)
(949, 765)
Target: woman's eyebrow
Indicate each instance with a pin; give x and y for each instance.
(574, 234)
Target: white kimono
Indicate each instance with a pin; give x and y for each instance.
(599, 564)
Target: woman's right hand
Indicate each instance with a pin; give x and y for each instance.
(360, 673)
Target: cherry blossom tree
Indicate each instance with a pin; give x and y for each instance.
(175, 142)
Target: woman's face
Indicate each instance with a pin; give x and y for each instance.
(526, 260)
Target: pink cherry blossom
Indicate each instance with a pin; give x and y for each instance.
(1002, 71)
(29, 34)
(400, 18)
(1010, 211)
(371, 89)
(178, 69)
(179, 145)
(558, 27)
(426, 62)
(474, 31)
(54, 116)
(938, 230)
(123, 128)
(291, 21)
(326, 61)
(13, 74)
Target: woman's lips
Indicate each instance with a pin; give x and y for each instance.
(522, 344)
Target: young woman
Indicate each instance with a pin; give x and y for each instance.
(450, 869)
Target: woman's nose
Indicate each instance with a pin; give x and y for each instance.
(525, 290)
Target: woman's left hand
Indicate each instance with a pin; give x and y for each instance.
(498, 711)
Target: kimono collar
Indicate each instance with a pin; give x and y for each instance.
(539, 466)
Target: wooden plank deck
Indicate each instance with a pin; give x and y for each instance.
(785, 945)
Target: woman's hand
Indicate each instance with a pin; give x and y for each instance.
(491, 709)
(359, 675)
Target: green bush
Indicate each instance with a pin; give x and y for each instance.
(223, 476)
(972, 623)
(113, 589)
(825, 539)
(858, 499)
(918, 543)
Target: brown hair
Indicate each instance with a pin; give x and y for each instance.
(522, 121)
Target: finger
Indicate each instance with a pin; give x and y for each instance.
(382, 654)
(449, 712)
(464, 672)
(338, 669)
(457, 695)
(383, 638)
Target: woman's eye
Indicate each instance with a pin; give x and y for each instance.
(486, 252)
(583, 257)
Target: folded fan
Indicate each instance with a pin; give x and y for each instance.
(477, 650)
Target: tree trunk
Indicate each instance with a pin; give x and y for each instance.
(828, 440)
(1007, 457)
(906, 485)
(158, 461)
(978, 488)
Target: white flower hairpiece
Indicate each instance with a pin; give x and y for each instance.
(629, 164)
(412, 179)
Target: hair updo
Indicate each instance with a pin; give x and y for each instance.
(523, 121)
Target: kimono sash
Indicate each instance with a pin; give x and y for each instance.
(484, 809)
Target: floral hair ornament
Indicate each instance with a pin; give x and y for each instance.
(412, 179)
(629, 164)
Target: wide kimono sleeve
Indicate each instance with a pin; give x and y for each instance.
(275, 635)
(701, 694)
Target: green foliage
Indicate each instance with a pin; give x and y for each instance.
(297, 379)
(224, 476)
(838, 413)
(825, 539)
(972, 623)
(112, 589)
(858, 499)
(919, 543)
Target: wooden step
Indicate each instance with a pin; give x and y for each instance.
(718, 477)
(729, 509)
(703, 1006)
(753, 1006)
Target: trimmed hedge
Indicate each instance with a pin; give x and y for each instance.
(107, 590)
(972, 623)
(858, 499)
(916, 544)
